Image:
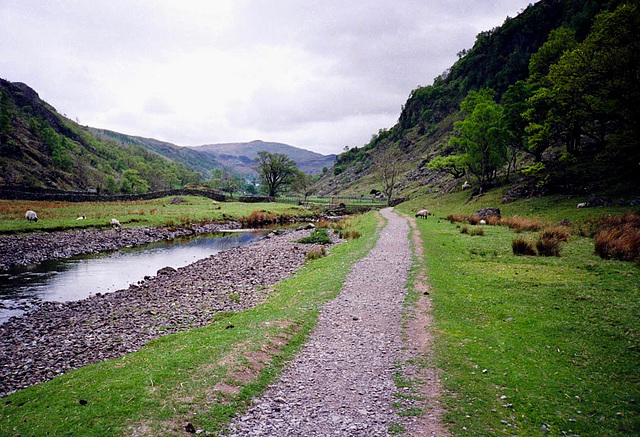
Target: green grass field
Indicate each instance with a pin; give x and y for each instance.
(531, 345)
(203, 376)
(157, 212)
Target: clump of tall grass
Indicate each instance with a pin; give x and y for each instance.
(259, 218)
(476, 232)
(349, 234)
(619, 238)
(522, 224)
(315, 253)
(548, 246)
(457, 217)
(520, 246)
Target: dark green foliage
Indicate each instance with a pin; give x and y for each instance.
(275, 171)
(318, 236)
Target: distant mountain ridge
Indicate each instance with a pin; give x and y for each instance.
(240, 156)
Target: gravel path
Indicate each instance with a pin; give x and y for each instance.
(342, 381)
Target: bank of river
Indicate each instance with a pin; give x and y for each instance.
(85, 275)
(54, 337)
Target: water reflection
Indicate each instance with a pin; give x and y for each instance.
(80, 277)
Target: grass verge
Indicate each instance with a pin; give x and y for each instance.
(532, 345)
(203, 376)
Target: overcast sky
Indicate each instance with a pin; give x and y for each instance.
(320, 75)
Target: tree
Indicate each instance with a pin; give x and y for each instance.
(275, 171)
(481, 135)
(453, 164)
(389, 167)
(303, 185)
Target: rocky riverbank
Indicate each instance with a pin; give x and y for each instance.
(54, 338)
(20, 250)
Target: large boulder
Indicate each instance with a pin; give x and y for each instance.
(485, 213)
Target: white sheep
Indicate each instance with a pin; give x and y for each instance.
(115, 223)
(582, 205)
(466, 185)
(422, 213)
(82, 217)
(483, 222)
(31, 216)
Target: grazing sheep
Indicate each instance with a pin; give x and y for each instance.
(582, 205)
(82, 217)
(422, 213)
(483, 222)
(466, 185)
(31, 216)
(115, 223)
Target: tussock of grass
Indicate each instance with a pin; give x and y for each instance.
(520, 246)
(315, 253)
(619, 237)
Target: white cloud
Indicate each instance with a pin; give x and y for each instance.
(316, 74)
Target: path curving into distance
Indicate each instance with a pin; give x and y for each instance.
(342, 382)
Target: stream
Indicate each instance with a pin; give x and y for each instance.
(83, 276)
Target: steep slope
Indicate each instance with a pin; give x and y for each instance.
(194, 159)
(240, 156)
(41, 148)
(498, 60)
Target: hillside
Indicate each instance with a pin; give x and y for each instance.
(41, 148)
(240, 156)
(524, 90)
(201, 162)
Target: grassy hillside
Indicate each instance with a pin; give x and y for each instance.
(41, 148)
(201, 162)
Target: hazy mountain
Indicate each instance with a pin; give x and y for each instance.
(240, 156)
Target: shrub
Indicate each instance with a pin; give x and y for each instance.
(318, 236)
(476, 232)
(315, 253)
(548, 246)
(521, 246)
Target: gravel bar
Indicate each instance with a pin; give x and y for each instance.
(342, 381)
(54, 338)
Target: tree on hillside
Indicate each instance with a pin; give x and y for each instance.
(275, 171)
(389, 167)
(481, 136)
(303, 185)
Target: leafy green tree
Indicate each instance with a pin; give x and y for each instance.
(481, 136)
(133, 183)
(275, 171)
(560, 41)
(452, 164)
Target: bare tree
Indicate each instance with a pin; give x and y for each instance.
(389, 167)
